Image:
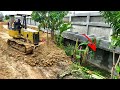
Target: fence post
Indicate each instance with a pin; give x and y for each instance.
(87, 21)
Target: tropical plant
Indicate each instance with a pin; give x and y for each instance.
(69, 50)
(113, 19)
(53, 20)
(56, 20)
(79, 53)
(62, 28)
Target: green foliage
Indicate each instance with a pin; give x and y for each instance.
(113, 19)
(41, 17)
(78, 71)
(56, 19)
(91, 54)
(83, 43)
(6, 17)
(52, 20)
(64, 27)
(69, 50)
(77, 51)
(117, 69)
(81, 71)
(78, 57)
(59, 38)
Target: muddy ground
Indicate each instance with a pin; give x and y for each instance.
(45, 63)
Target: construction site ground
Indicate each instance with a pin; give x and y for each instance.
(45, 63)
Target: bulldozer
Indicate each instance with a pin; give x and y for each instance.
(24, 39)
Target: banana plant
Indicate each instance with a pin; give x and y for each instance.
(79, 53)
(64, 26)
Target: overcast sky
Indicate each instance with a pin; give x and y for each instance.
(15, 12)
(29, 12)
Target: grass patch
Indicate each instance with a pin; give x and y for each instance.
(97, 70)
(86, 71)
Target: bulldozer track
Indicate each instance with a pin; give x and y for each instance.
(26, 49)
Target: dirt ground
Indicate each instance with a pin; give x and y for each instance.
(45, 63)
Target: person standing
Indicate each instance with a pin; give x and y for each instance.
(18, 26)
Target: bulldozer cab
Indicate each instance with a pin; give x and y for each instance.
(12, 20)
(30, 35)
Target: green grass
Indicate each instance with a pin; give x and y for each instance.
(97, 70)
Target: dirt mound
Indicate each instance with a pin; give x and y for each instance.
(48, 55)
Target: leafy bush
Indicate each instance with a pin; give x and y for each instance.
(52, 20)
(6, 17)
(113, 19)
(62, 28)
(69, 50)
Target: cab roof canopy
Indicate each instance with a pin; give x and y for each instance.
(19, 15)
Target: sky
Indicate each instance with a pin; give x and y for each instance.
(15, 12)
(29, 12)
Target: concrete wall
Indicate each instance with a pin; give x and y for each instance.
(80, 29)
(90, 23)
(100, 31)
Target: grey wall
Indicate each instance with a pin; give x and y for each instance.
(90, 23)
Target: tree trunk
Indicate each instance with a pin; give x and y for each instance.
(52, 34)
(117, 63)
(113, 67)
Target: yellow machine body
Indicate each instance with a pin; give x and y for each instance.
(13, 33)
(29, 34)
